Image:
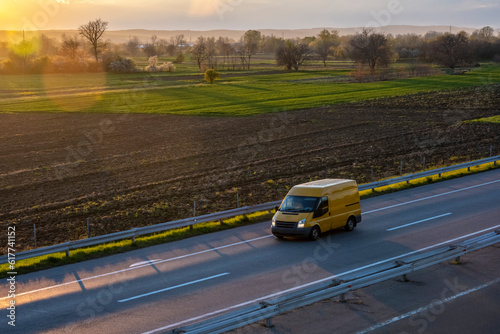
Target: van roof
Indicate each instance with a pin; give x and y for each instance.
(317, 188)
(323, 183)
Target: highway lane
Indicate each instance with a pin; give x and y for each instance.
(212, 273)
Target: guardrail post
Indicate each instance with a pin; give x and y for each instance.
(342, 298)
(269, 322)
(194, 214)
(67, 249)
(88, 227)
(34, 233)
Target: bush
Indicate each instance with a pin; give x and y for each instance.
(167, 67)
(65, 65)
(153, 64)
(43, 64)
(180, 58)
(154, 67)
(211, 75)
(107, 58)
(125, 65)
(9, 67)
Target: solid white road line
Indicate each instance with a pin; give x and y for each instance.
(437, 303)
(139, 266)
(206, 315)
(433, 196)
(418, 222)
(172, 287)
(144, 262)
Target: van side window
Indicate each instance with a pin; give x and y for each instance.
(322, 208)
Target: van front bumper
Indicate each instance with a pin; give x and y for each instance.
(291, 232)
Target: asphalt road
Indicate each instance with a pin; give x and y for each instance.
(167, 286)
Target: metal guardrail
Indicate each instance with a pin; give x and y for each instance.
(132, 233)
(431, 172)
(337, 287)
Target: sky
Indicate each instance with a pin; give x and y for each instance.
(245, 14)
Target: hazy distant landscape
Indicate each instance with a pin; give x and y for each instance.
(122, 36)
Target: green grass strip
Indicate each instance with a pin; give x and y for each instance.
(492, 119)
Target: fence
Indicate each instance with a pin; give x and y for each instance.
(337, 287)
(133, 233)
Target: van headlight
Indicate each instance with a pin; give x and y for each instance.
(301, 223)
(273, 222)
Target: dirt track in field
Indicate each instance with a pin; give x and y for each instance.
(125, 171)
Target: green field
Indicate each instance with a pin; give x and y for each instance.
(237, 93)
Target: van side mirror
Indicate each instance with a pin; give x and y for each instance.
(276, 209)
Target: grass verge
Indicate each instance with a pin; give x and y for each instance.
(99, 251)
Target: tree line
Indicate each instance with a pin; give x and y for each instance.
(87, 51)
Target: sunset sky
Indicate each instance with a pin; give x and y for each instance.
(245, 14)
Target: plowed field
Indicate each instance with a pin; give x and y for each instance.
(130, 170)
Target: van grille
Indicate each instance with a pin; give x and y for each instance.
(286, 224)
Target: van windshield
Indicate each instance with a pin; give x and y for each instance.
(299, 204)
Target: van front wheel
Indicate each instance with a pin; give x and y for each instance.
(315, 232)
(350, 225)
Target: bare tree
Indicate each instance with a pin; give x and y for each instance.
(199, 53)
(251, 41)
(292, 55)
(211, 52)
(47, 46)
(371, 48)
(452, 50)
(69, 47)
(23, 53)
(486, 33)
(325, 44)
(179, 42)
(162, 46)
(93, 32)
(133, 46)
(150, 50)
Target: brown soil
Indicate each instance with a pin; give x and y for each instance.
(125, 171)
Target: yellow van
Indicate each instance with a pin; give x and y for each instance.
(319, 206)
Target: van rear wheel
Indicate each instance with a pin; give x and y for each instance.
(350, 225)
(315, 233)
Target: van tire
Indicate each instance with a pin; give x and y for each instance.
(315, 233)
(350, 225)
